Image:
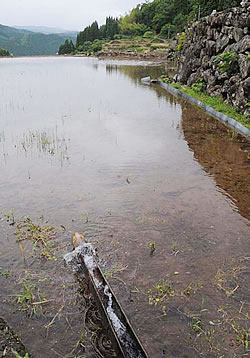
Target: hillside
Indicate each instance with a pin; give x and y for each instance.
(157, 19)
(22, 42)
(47, 30)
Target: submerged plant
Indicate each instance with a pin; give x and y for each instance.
(151, 245)
(161, 292)
(40, 234)
(17, 355)
(9, 216)
(30, 299)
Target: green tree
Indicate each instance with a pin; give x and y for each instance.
(4, 53)
(67, 48)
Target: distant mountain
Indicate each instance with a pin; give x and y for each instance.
(22, 42)
(47, 30)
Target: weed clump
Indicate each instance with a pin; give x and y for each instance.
(40, 234)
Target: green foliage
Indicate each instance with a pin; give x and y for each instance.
(90, 33)
(168, 17)
(40, 234)
(166, 80)
(181, 41)
(226, 60)
(163, 17)
(117, 36)
(217, 103)
(93, 32)
(96, 46)
(17, 355)
(67, 48)
(148, 34)
(4, 53)
(198, 86)
(111, 28)
(132, 28)
(159, 45)
(162, 292)
(167, 31)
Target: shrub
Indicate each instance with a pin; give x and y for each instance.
(167, 31)
(4, 52)
(148, 34)
(117, 37)
(226, 60)
(96, 46)
(181, 41)
(198, 86)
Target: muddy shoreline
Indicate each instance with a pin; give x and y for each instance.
(10, 342)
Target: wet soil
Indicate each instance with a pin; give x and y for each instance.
(10, 342)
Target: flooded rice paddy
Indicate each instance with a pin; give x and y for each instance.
(161, 189)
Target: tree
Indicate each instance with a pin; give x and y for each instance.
(4, 53)
(165, 17)
(67, 48)
(90, 33)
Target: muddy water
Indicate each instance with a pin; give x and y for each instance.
(86, 145)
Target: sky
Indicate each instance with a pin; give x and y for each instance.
(65, 14)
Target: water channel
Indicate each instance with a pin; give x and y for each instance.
(160, 188)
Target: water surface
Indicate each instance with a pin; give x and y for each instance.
(88, 146)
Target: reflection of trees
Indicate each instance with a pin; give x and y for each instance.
(112, 69)
(135, 72)
(221, 152)
(138, 72)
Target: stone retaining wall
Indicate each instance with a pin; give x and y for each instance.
(216, 56)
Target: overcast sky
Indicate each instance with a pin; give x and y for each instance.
(66, 14)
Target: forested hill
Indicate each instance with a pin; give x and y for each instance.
(24, 43)
(162, 18)
(168, 17)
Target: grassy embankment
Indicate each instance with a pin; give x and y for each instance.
(215, 102)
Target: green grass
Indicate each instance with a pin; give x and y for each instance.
(216, 103)
(159, 45)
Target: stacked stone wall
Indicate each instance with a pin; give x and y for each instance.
(216, 56)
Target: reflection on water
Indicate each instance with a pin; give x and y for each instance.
(222, 153)
(84, 143)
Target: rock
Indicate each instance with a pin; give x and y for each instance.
(194, 78)
(238, 33)
(244, 44)
(222, 43)
(210, 33)
(245, 30)
(244, 65)
(222, 32)
(205, 63)
(209, 77)
(222, 78)
(214, 90)
(246, 87)
(211, 48)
